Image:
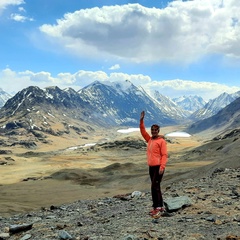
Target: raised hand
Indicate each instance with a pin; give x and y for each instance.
(142, 115)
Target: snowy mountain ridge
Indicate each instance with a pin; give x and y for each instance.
(115, 103)
(214, 106)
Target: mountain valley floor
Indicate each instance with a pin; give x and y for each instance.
(71, 169)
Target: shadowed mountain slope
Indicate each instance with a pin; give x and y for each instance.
(226, 119)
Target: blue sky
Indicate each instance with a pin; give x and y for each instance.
(175, 47)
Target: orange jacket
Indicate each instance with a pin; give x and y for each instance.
(156, 148)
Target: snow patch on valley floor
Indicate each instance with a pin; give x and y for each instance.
(177, 134)
(128, 130)
(82, 146)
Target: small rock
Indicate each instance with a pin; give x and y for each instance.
(211, 219)
(25, 237)
(136, 194)
(18, 228)
(4, 236)
(64, 235)
(176, 203)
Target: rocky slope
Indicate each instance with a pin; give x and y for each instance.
(213, 190)
(214, 213)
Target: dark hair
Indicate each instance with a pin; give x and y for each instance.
(155, 126)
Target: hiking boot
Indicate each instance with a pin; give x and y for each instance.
(153, 211)
(158, 211)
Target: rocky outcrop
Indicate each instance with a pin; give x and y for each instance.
(207, 208)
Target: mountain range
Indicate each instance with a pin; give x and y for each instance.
(226, 120)
(56, 111)
(214, 106)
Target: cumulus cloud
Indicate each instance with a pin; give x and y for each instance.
(178, 88)
(136, 79)
(83, 78)
(181, 32)
(13, 82)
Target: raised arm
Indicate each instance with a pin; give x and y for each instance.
(143, 131)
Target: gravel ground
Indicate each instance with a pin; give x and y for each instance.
(214, 213)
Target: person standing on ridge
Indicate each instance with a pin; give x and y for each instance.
(156, 159)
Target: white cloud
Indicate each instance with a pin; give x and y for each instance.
(12, 81)
(39, 77)
(20, 18)
(5, 3)
(181, 32)
(21, 9)
(15, 16)
(178, 88)
(136, 79)
(115, 67)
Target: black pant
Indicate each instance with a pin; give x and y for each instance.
(156, 179)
